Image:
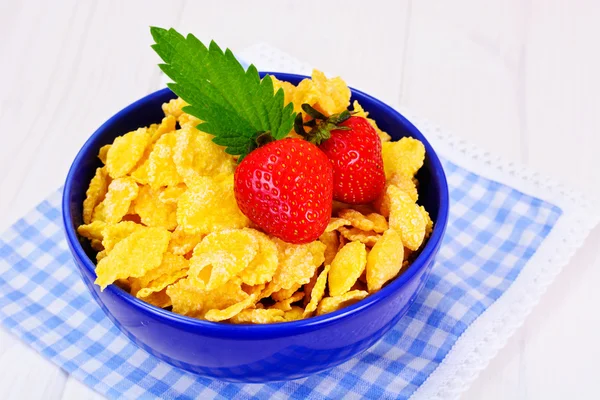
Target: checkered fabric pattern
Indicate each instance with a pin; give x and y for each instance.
(493, 231)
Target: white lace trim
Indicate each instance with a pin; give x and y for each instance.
(482, 340)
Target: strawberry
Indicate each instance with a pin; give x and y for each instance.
(354, 148)
(285, 187)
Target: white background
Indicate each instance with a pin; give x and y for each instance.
(518, 77)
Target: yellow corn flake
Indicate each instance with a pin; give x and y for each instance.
(406, 218)
(429, 225)
(187, 120)
(167, 125)
(103, 153)
(182, 243)
(154, 212)
(92, 231)
(195, 155)
(161, 167)
(172, 268)
(358, 220)
(190, 297)
(95, 194)
(294, 314)
(231, 311)
(384, 261)
(225, 253)
(282, 294)
(335, 223)
(96, 244)
(262, 268)
(133, 256)
(331, 304)
(174, 107)
(288, 89)
(171, 194)
(317, 292)
(101, 254)
(402, 182)
(404, 157)
(297, 263)
(158, 299)
(405, 184)
(380, 223)
(210, 206)
(259, 316)
(358, 111)
(121, 192)
(142, 173)
(113, 234)
(354, 234)
(286, 305)
(347, 266)
(125, 152)
(329, 96)
(332, 242)
(361, 208)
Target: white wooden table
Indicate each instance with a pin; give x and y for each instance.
(520, 78)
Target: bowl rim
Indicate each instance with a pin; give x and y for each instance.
(273, 329)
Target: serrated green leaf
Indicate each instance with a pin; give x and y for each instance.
(235, 104)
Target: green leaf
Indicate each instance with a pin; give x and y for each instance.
(235, 104)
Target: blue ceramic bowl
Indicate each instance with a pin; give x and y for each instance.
(255, 353)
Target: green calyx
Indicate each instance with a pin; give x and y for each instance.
(320, 126)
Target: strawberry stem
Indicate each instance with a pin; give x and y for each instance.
(320, 125)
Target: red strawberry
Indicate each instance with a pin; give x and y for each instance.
(354, 148)
(285, 187)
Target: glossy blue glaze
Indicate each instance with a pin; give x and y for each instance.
(255, 353)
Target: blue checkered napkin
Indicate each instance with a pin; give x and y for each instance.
(493, 231)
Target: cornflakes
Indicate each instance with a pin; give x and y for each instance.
(103, 153)
(282, 294)
(259, 316)
(331, 304)
(167, 125)
(171, 194)
(294, 314)
(354, 234)
(262, 268)
(406, 218)
(121, 192)
(404, 157)
(286, 305)
(92, 231)
(225, 253)
(95, 194)
(181, 243)
(210, 206)
(297, 263)
(125, 152)
(195, 156)
(161, 167)
(335, 223)
(113, 234)
(317, 292)
(231, 311)
(189, 297)
(384, 260)
(154, 212)
(172, 268)
(133, 256)
(331, 242)
(347, 266)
